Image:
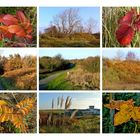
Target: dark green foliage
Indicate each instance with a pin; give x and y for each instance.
(129, 127)
(51, 64)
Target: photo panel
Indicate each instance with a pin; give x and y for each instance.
(18, 69)
(69, 112)
(69, 69)
(18, 27)
(121, 112)
(69, 26)
(121, 69)
(18, 112)
(121, 27)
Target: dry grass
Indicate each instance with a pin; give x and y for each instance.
(84, 80)
(121, 75)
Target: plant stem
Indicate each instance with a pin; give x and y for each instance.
(136, 126)
(112, 112)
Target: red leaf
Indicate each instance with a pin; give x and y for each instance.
(21, 33)
(128, 18)
(9, 20)
(4, 31)
(1, 37)
(29, 37)
(20, 15)
(1, 18)
(137, 23)
(124, 34)
(14, 28)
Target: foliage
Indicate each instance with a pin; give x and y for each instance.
(127, 110)
(127, 33)
(14, 114)
(18, 30)
(122, 74)
(51, 64)
(126, 117)
(18, 72)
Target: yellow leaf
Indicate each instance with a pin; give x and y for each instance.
(121, 117)
(136, 114)
(2, 102)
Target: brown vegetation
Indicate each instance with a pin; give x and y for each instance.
(121, 74)
(18, 72)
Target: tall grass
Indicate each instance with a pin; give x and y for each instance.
(111, 15)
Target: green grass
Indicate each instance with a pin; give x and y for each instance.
(111, 15)
(60, 83)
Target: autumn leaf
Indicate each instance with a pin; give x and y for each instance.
(116, 104)
(9, 20)
(125, 34)
(20, 15)
(126, 111)
(129, 24)
(15, 26)
(128, 18)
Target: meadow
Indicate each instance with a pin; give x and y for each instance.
(121, 74)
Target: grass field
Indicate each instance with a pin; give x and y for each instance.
(78, 40)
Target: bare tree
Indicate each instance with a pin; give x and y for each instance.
(91, 25)
(119, 55)
(131, 56)
(68, 21)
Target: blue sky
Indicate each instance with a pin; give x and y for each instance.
(23, 52)
(79, 100)
(70, 53)
(47, 13)
(111, 53)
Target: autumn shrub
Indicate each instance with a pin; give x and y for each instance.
(27, 81)
(20, 79)
(91, 64)
(84, 79)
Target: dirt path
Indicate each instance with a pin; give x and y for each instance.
(43, 82)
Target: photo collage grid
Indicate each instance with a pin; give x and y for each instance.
(69, 70)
